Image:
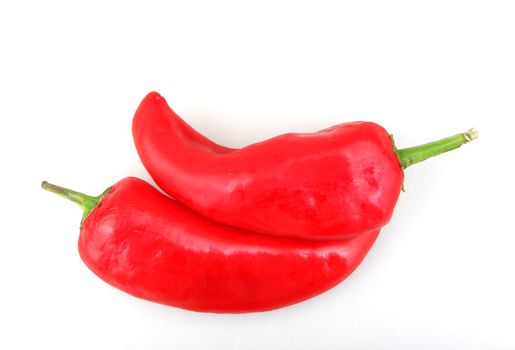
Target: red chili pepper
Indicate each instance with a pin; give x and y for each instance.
(335, 183)
(152, 247)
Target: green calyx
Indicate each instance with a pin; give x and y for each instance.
(412, 155)
(87, 203)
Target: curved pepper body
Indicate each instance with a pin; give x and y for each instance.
(152, 247)
(332, 184)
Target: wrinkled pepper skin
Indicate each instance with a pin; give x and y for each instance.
(152, 247)
(332, 184)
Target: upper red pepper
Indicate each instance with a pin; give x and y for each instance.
(335, 183)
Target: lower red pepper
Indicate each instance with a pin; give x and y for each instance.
(154, 248)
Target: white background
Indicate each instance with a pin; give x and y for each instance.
(71, 76)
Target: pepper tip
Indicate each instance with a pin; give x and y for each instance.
(471, 134)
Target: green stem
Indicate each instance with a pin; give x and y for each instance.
(412, 155)
(87, 203)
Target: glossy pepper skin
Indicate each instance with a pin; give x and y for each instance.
(332, 184)
(152, 247)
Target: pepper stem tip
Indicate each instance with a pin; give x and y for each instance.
(471, 134)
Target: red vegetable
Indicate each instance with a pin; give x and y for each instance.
(152, 247)
(335, 183)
